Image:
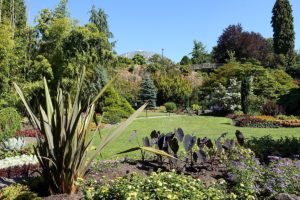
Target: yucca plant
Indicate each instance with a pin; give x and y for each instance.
(65, 152)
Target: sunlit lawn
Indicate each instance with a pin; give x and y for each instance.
(198, 125)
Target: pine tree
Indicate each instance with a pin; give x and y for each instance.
(148, 92)
(283, 30)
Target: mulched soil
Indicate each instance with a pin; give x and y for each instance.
(112, 170)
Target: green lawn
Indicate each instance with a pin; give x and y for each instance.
(198, 125)
(154, 114)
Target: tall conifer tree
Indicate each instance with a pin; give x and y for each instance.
(283, 30)
(148, 92)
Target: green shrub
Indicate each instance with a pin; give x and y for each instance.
(115, 107)
(196, 107)
(267, 146)
(112, 118)
(19, 192)
(10, 122)
(166, 185)
(170, 107)
(162, 109)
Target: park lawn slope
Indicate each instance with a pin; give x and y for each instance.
(200, 126)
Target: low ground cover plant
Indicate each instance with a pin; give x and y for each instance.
(18, 191)
(164, 185)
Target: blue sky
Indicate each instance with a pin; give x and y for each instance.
(173, 24)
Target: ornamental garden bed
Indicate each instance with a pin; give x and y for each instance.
(263, 121)
(176, 165)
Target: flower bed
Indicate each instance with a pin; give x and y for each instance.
(17, 166)
(29, 133)
(263, 121)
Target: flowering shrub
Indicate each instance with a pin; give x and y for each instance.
(282, 176)
(165, 185)
(249, 179)
(244, 173)
(224, 99)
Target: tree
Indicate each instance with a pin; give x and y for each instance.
(99, 18)
(199, 54)
(61, 11)
(245, 93)
(225, 99)
(13, 11)
(185, 60)
(97, 81)
(139, 59)
(114, 106)
(172, 87)
(283, 30)
(246, 45)
(148, 92)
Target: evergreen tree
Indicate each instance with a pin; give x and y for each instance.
(148, 92)
(98, 80)
(245, 93)
(185, 60)
(199, 54)
(283, 30)
(61, 11)
(99, 18)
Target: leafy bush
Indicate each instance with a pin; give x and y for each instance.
(225, 99)
(267, 146)
(272, 109)
(170, 107)
(10, 122)
(19, 192)
(115, 107)
(165, 185)
(162, 109)
(196, 107)
(291, 101)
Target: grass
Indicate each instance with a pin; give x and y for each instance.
(200, 126)
(154, 114)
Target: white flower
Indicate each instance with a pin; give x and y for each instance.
(18, 161)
